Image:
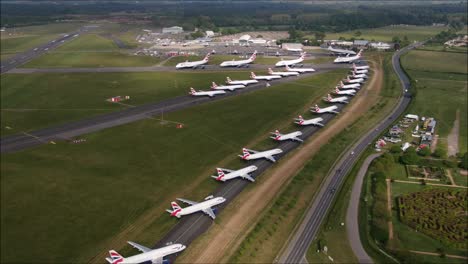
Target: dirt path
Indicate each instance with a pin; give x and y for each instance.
(437, 254)
(449, 175)
(452, 138)
(217, 244)
(389, 209)
(434, 184)
(434, 143)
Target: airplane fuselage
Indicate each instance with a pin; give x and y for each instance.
(307, 122)
(330, 109)
(262, 155)
(242, 82)
(237, 173)
(228, 87)
(289, 136)
(208, 93)
(283, 63)
(189, 64)
(200, 206)
(153, 254)
(267, 77)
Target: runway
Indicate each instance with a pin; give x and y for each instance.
(305, 234)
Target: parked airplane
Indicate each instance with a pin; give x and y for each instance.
(193, 64)
(239, 63)
(305, 122)
(205, 93)
(351, 92)
(156, 256)
(286, 73)
(348, 59)
(299, 70)
(330, 109)
(365, 67)
(248, 154)
(231, 88)
(243, 82)
(349, 86)
(225, 174)
(342, 99)
(349, 80)
(264, 77)
(341, 51)
(283, 63)
(292, 49)
(360, 75)
(361, 71)
(194, 207)
(290, 136)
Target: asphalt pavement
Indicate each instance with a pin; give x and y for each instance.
(299, 243)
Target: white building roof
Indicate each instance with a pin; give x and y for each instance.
(245, 38)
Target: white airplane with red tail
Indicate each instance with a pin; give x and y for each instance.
(305, 122)
(239, 63)
(205, 207)
(156, 256)
(357, 76)
(225, 174)
(283, 63)
(193, 64)
(248, 154)
(349, 80)
(348, 59)
(341, 100)
(349, 86)
(231, 88)
(290, 136)
(205, 93)
(286, 73)
(264, 77)
(299, 70)
(351, 92)
(360, 71)
(331, 109)
(360, 67)
(243, 82)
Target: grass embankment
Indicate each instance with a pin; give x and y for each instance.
(90, 50)
(20, 39)
(36, 101)
(94, 196)
(387, 33)
(441, 88)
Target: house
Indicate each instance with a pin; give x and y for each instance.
(209, 33)
(426, 140)
(410, 116)
(360, 43)
(395, 131)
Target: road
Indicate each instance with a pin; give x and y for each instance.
(352, 214)
(69, 130)
(299, 243)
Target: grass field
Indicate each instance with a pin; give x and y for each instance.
(39, 100)
(79, 196)
(88, 42)
(387, 33)
(441, 89)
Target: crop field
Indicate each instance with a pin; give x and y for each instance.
(387, 33)
(39, 100)
(50, 187)
(438, 213)
(441, 86)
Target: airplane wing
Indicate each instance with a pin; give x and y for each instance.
(139, 247)
(187, 201)
(270, 158)
(157, 261)
(248, 177)
(226, 170)
(251, 151)
(209, 212)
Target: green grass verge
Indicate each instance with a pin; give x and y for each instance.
(57, 197)
(88, 42)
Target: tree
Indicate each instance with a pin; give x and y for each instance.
(197, 34)
(396, 39)
(440, 153)
(357, 33)
(319, 35)
(424, 152)
(395, 149)
(409, 157)
(464, 161)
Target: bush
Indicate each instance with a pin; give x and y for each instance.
(424, 152)
(409, 157)
(440, 153)
(464, 161)
(395, 149)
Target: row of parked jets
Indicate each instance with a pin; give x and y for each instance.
(348, 86)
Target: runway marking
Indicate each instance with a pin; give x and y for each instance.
(35, 137)
(165, 120)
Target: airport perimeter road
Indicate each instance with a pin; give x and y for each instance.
(62, 132)
(23, 57)
(352, 214)
(299, 243)
(252, 67)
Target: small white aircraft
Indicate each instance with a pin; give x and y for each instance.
(225, 174)
(154, 255)
(194, 207)
(351, 92)
(248, 154)
(348, 59)
(349, 80)
(290, 136)
(243, 82)
(349, 86)
(299, 70)
(357, 76)
(205, 93)
(305, 122)
(286, 73)
(342, 99)
(283, 63)
(341, 51)
(330, 109)
(231, 88)
(193, 64)
(292, 49)
(239, 63)
(365, 67)
(264, 77)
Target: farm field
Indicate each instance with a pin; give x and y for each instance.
(50, 187)
(440, 79)
(387, 33)
(41, 100)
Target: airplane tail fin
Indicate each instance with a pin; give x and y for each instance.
(228, 80)
(115, 257)
(214, 85)
(254, 56)
(287, 68)
(329, 98)
(192, 91)
(337, 90)
(252, 75)
(317, 108)
(300, 118)
(245, 153)
(175, 206)
(303, 55)
(220, 174)
(207, 57)
(270, 71)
